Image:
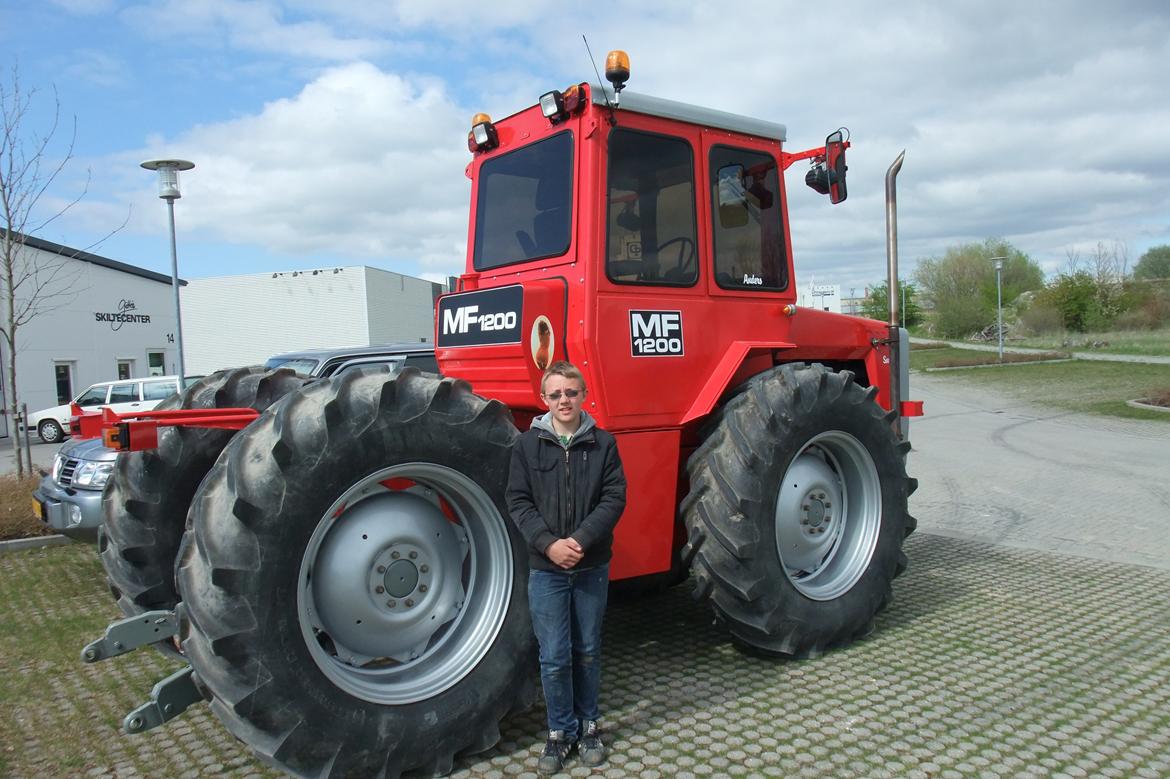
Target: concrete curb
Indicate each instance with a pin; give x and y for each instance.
(1147, 406)
(35, 542)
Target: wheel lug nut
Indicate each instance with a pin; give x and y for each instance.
(409, 603)
(379, 589)
(395, 555)
(413, 555)
(424, 568)
(422, 588)
(381, 569)
(391, 603)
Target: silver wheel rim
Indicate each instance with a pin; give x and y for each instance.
(405, 583)
(828, 513)
(54, 431)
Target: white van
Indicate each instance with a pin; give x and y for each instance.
(52, 424)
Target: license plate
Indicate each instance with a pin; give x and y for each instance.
(38, 509)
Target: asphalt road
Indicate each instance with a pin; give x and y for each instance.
(994, 470)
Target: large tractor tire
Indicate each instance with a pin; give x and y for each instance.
(353, 591)
(798, 510)
(146, 501)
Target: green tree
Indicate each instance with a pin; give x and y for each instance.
(877, 304)
(1154, 264)
(961, 285)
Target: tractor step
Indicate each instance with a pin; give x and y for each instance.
(168, 699)
(128, 634)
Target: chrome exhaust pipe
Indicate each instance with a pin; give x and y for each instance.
(899, 363)
(892, 235)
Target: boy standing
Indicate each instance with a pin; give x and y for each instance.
(566, 491)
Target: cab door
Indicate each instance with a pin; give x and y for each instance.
(650, 278)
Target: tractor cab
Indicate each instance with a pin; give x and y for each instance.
(645, 240)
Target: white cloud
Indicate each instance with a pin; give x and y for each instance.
(359, 164)
(249, 25)
(1041, 123)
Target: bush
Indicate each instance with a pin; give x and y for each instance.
(16, 516)
(1040, 319)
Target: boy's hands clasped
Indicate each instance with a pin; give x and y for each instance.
(565, 553)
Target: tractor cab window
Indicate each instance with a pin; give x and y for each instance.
(651, 210)
(524, 210)
(748, 231)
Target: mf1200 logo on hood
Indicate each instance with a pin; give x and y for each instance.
(482, 318)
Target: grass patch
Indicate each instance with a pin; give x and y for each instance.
(970, 360)
(1145, 342)
(1085, 386)
(16, 516)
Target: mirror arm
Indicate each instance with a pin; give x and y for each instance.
(787, 158)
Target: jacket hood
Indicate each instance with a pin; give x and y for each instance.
(544, 422)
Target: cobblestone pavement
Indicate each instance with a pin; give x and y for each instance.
(991, 662)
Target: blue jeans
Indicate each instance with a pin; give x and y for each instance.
(567, 608)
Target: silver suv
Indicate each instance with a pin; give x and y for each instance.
(69, 498)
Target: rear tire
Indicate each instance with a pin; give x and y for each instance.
(50, 432)
(353, 590)
(798, 510)
(146, 501)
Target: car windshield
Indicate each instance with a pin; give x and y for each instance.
(524, 204)
(94, 396)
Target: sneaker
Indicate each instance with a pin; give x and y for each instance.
(591, 748)
(556, 749)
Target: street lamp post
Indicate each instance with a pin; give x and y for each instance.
(168, 190)
(999, 301)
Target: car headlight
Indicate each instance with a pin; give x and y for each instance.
(92, 475)
(58, 461)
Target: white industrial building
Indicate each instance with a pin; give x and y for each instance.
(231, 321)
(823, 297)
(98, 320)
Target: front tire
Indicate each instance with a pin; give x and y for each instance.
(798, 510)
(353, 591)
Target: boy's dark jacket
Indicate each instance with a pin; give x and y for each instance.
(548, 502)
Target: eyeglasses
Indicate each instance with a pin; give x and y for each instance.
(569, 393)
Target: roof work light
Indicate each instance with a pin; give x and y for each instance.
(483, 134)
(558, 106)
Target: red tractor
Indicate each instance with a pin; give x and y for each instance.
(350, 591)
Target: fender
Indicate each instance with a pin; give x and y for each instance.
(741, 360)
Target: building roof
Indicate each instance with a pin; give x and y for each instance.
(84, 256)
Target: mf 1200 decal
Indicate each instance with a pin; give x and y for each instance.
(481, 318)
(656, 333)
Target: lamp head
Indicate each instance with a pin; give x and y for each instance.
(168, 176)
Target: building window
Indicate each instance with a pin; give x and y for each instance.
(63, 373)
(125, 369)
(155, 364)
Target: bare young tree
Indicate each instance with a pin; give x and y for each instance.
(31, 282)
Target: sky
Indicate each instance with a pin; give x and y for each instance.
(334, 133)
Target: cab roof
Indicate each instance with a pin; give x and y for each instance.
(686, 112)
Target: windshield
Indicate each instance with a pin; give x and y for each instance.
(524, 209)
(305, 365)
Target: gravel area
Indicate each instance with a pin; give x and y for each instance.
(991, 662)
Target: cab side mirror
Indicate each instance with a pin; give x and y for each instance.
(836, 167)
